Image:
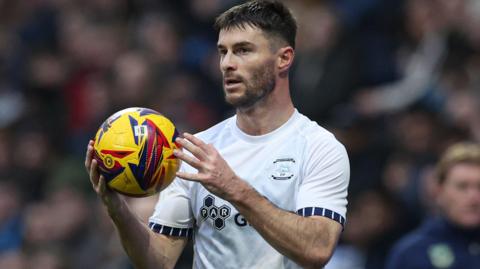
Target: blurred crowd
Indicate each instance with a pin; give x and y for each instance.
(396, 82)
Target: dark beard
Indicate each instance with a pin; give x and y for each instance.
(260, 86)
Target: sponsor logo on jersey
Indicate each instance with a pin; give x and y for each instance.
(216, 214)
(240, 220)
(441, 255)
(283, 168)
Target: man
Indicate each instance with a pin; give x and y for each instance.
(451, 240)
(266, 188)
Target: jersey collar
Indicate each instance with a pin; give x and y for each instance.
(280, 131)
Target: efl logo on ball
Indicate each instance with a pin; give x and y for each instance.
(134, 150)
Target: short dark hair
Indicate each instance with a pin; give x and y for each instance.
(272, 17)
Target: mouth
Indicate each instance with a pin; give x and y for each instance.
(230, 83)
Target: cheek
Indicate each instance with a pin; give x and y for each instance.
(456, 200)
(448, 199)
(263, 72)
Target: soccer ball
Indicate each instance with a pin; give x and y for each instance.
(134, 150)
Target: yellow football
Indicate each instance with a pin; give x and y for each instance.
(134, 150)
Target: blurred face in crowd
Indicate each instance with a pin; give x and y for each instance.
(459, 195)
(247, 62)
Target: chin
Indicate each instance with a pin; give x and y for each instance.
(236, 103)
(467, 222)
(234, 99)
(230, 99)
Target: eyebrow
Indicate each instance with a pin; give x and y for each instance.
(236, 45)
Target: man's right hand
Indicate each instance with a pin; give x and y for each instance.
(145, 248)
(109, 197)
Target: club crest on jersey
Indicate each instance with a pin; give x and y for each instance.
(283, 168)
(217, 214)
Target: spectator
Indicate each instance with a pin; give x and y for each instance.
(451, 239)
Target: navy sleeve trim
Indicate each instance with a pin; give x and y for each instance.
(320, 211)
(171, 231)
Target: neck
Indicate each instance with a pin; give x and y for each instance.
(268, 114)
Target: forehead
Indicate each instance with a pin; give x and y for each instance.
(469, 172)
(241, 34)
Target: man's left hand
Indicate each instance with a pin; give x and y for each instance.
(214, 173)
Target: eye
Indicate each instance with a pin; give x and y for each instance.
(222, 52)
(461, 186)
(242, 51)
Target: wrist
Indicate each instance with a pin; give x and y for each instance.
(114, 205)
(242, 193)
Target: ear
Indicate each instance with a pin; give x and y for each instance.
(285, 59)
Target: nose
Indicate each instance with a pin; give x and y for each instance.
(228, 62)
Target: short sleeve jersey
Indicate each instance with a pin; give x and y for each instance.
(300, 167)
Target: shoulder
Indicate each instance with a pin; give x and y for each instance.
(309, 128)
(410, 249)
(431, 231)
(319, 141)
(412, 241)
(314, 133)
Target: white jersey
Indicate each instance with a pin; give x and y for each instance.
(300, 167)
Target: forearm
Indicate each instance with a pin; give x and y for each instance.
(307, 241)
(145, 248)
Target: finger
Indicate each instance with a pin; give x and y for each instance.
(196, 141)
(94, 175)
(190, 176)
(207, 148)
(192, 161)
(101, 184)
(195, 150)
(88, 155)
